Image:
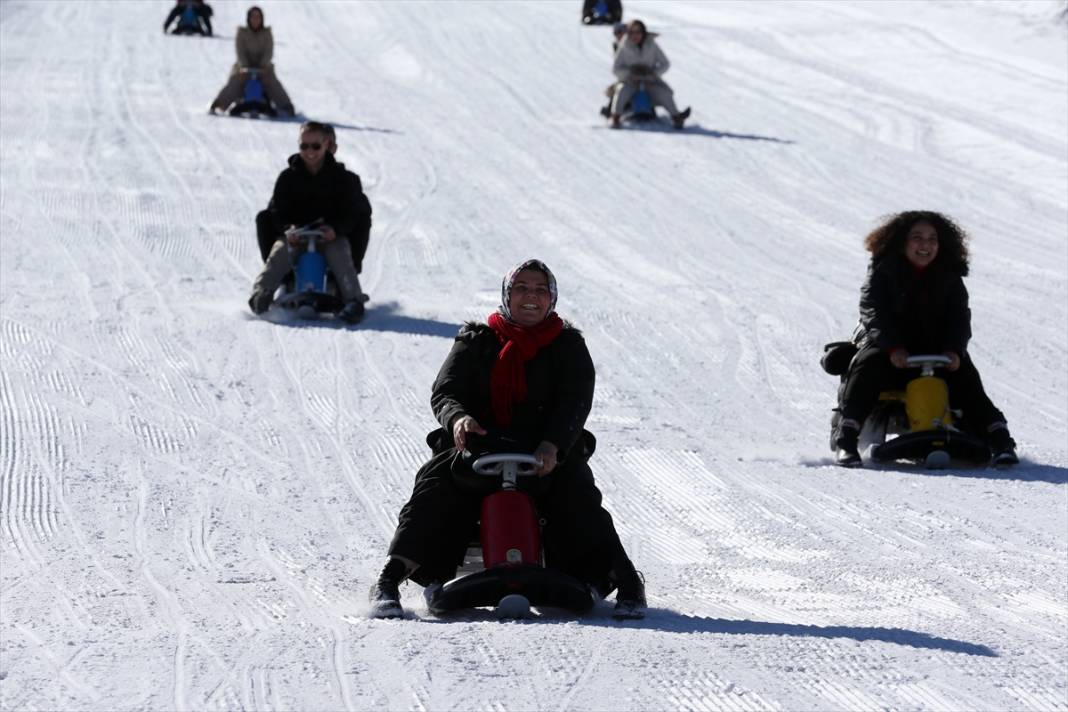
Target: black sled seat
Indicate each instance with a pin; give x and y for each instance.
(542, 587)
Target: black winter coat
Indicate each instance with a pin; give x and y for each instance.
(300, 197)
(361, 205)
(924, 312)
(560, 382)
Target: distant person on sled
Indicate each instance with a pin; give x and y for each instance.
(601, 12)
(914, 301)
(267, 232)
(314, 189)
(193, 16)
(639, 66)
(255, 49)
(525, 377)
(619, 31)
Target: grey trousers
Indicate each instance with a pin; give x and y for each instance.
(659, 92)
(235, 86)
(280, 262)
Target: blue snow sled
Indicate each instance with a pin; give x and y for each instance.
(641, 106)
(254, 100)
(312, 291)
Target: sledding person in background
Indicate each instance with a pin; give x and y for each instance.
(313, 189)
(640, 61)
(619, 31)
(267, 232)
(914, 302)
(255, 49)
(601, 11)
(201, 11)
(525, 375)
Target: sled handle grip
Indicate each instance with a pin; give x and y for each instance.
(306, 232)
(928, 362)
(496, 463)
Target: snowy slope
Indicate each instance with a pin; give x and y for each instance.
(193, 502)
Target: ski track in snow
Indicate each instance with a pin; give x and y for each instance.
(193, 502)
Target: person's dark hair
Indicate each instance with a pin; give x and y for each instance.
(325, 129)
(889, 238)
(248, 16)
(638, 24)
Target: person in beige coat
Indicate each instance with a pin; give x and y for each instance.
(255, 47)
(639, 60)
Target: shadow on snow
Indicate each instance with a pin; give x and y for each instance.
(382, 317)
(658, 126)
(672, 622)
(1026, 471)
(669, 621)
(300, 118)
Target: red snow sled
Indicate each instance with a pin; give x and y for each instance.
(511, 576)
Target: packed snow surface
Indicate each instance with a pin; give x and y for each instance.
(194, 501)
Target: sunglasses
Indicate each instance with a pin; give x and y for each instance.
(312, 146)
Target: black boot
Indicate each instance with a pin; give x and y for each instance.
(630, 591)
(680, 118)
(846, 454)
(352, 312)
(260, 302)
(1002, 446)
(385, 594)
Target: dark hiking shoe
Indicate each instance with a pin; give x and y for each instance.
(352, 312)
(680, 118)
(259, 303)
(847, 458)
(845, 440)
(385, 593)
(617, 123)
(630, 593)
(1002, 447)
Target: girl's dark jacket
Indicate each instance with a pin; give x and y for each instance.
(922, 312)
(300, 197)
(560, 381)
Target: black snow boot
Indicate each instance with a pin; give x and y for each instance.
(385, 594)
(680, 118)
(352, 312)
(845, 440)
(630, 591)
(1002, 446)
(259, 302)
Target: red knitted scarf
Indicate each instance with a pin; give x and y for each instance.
(508, 380)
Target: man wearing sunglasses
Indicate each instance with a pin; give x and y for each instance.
(267, 233)
(313, 189)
